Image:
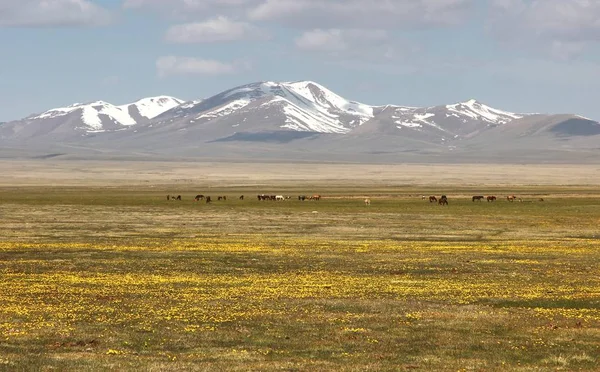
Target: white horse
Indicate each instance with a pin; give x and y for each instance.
(279, 197)
(367, 201)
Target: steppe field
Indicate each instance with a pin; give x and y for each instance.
(99, 271)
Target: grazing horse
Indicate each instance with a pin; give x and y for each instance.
(367, 201)
(178, 197)
(541, 199)
(511, 198)
(302, 197)
(242, 197)
(315, 197)
(443, 200)
(432, 199)
(478, 197)
(208, 199)
(199, 197)
(279, 197)
(491, 198)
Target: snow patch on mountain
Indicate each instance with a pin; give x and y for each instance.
(225, 110)
(305, 105)
(90, 114)
(478, 111)
(151, 107)
(303, 120)
(324, 98)
(93, 114)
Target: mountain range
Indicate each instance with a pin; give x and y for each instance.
(300, 121)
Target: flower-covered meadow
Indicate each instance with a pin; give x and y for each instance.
(401, 285)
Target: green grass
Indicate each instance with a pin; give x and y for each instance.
(122, 279)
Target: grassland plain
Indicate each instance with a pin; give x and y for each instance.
(119, 278)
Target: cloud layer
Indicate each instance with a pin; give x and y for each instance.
(220, 29)
(52, 13)
(563, 28)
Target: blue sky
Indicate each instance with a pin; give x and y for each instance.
(517, 55)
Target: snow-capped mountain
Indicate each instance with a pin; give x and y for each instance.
(88, 118)
(149, 108)
(257, 118)
(299, 106)
(93, 115)
(306, 106)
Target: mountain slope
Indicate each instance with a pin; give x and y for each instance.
(86, 118)
(300, 106)
(151, 107)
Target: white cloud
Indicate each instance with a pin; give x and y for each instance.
(561, 28)
(214, 30)
(173, 65)
(48, 13)
(358, 46)
(389, 14)
(309, 14)
(335, 40)
(186, 8)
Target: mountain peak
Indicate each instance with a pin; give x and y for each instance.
(151, 107)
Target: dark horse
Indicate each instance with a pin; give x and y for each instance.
(208, 199)
(242, 197)
(478, 197)
(199, 197)
(302, 197)
(443, 200)
(491, 198)
(432, 199)
(178, 197)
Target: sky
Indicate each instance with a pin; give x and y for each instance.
(524, 56)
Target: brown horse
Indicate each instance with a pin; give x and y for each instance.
(315, 197)
(432, 199)
(241, 197)
(491, 198)
(478, 197)
(199, 197)
(208, 199)
(443, 200)
(511, 198)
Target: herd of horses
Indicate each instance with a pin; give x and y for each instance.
(490, 198)
(261, 197)
(442, 200)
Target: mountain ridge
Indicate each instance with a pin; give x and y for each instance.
(265, 115)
